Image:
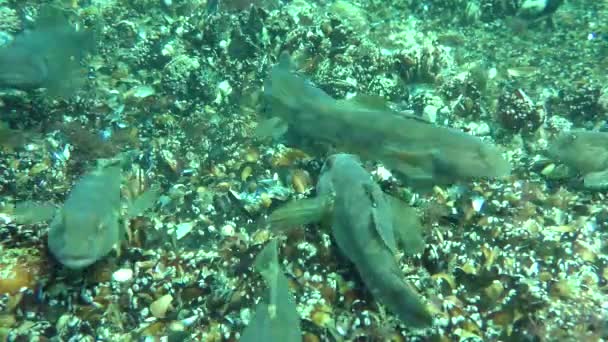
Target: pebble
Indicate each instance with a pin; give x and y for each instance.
(122, 275)
(227, 230)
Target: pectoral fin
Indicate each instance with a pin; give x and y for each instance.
(272, 128)
(267, 264)
(417, 166)
(407, 227)
(30, 212)
(381, 216)
(142, 203)
(300, 212)
(276, 317)
(596, 180)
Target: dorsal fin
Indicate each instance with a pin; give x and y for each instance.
(369, 101)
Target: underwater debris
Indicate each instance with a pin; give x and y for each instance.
(493, 274)
(366, 227)
(20, 268)
(9, 22)
(47, 56)
(88, 145)
(159, 307)
(422, 152)
(266, 191)
(536, 9)
(586, 152)
(276, 318)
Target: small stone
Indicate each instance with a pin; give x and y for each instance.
(225, 88)
(477, 203)
(382, 173)
(122, 275)
(183, 229)
(430, 113)
(141, 91)
(159, 307)
(479, 129)
(227, 230)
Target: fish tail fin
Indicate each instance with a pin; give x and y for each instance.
(388, 287)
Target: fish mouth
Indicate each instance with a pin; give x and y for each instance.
(76, 261)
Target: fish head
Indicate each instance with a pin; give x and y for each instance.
(21, 68)
(47, 56)
(340, 161)
(476, 161)
(585, 151)
(334, 169)
(78, 239)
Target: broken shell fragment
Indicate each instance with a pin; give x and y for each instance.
(159, 307)
(300, 180)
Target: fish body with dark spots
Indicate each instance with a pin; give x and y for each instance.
(363, 226)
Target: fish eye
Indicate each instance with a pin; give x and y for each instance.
(329, 163)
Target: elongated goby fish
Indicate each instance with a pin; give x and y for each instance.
(420, 151)
(367, 226)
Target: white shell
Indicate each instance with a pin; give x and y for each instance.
(122, 275)
(477, 203)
